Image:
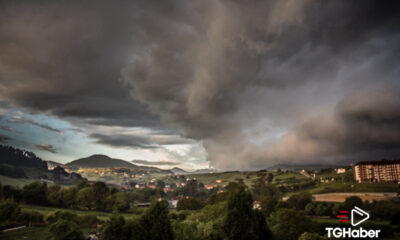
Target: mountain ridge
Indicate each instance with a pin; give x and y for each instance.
(100, 161)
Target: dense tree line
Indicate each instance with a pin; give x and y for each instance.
(14, 156)
(85, 196)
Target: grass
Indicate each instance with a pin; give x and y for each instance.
(248, 177)
(350, 187)
(16, 182)
(47, 210)
(32, 233)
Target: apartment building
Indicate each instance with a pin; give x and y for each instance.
(377, 171)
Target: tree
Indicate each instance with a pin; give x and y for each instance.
(242, 222)
(160, 184)
(54, 196)
(35, 193)
(116, 201)
(100, 192)
(57, 215)
(351, 202)
(260, 228)
(68, 195)
(260, 188)
(65, 230)
(114, 229)
(289, 224)
(9, 210)
(189, 203)
(268, 205)
(190, 189)
(84, 198)
(300, 201)
(155, 223)
(270, 177)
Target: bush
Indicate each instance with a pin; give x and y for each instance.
(351, 202)
(35, 193)
(87, 220)
(189, 203)
(114, 229)
(155, 223)
(30, 218)
(9, 210)
(289, 224)
(300, 201)
(65, 230)
(57, 215)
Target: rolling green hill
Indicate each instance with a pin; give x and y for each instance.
(100, 161)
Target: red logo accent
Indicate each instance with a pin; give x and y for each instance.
(343, 218)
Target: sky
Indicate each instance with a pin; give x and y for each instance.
(233, 85)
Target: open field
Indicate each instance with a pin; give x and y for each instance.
(47, 210)
(31, 233)
(16, 182)
(337, 187)
(248, 177)
(341, 197)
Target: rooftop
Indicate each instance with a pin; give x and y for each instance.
(379, 162)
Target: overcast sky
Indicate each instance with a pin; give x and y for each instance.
(193, 84)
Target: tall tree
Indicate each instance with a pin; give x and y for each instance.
(155, 223)
(242, 222)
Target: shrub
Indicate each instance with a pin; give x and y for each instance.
(87, 220)
(57, 215)
(189, 203)
(65, 230)
(30, 218)
(9, 210)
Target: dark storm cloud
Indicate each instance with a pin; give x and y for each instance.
(19, 119)
(8, 129)
(139, 141)
(145, 162)
(4, 139)
(365, 124)
(65, 58)
(45, 147)
(215, 71)
(254, 61)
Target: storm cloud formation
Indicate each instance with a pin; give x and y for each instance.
(46, 147)
(275, 63)
(139, 141)
(158, 163)
(257, 82)
(4, 139)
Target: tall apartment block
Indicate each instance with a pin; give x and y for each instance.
(377, 171)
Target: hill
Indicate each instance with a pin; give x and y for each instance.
(177, 170)
(21, 164)
(100, 161)
(206, 170)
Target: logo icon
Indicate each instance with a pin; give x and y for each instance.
(361, 213)
(356, 213)
(357, 216)
(343, 218)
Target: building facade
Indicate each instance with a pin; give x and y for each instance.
(384, 171)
